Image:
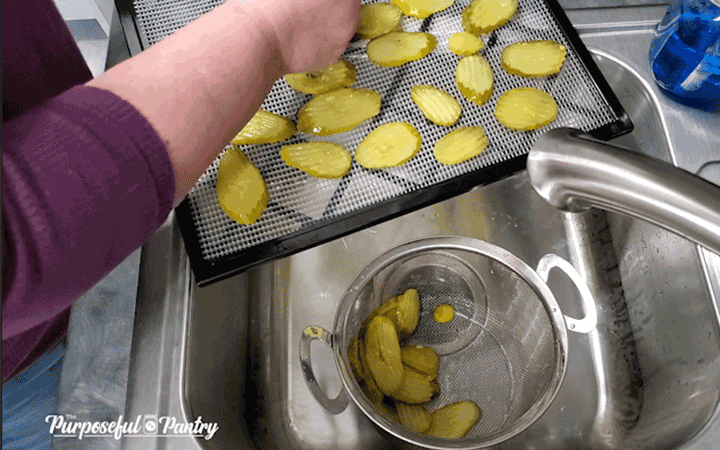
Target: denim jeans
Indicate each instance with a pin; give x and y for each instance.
(28, 398)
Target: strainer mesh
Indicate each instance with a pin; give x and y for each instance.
(500, 349)
(299, 201)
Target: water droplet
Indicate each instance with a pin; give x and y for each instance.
(572, 326)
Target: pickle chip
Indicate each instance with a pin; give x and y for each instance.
(265, 128)
(415, 387)
(533, 58)
(454, 421)
(399, 47)
(335, 76)
(241, 189)
(319, 159)
(388, 145)
(337, 111)
(437, 106)
(474, 78)
(460, 145)
(382, 353)
(414, 417)
(377, 19)
(422, 8)
(464, 43)
(525, 108)
(423, 359)
(484, 16)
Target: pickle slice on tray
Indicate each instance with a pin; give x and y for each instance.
(318, 159)
(399, 47)
(335, 76)
(474, 78)
(533, 58)
(454, 421)
(377, 19)
(382, 353)
(388, 145)
(525, 108)
(337, 111)
(241, 189)
(484, 16)
(460, 145)
(437, 106)
(422, 8)
(265, 128)
(463, 43)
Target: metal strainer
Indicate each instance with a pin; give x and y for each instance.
(505, 349)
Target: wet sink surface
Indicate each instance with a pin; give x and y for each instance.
(647, 377)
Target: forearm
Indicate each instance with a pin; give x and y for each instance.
(200, 86)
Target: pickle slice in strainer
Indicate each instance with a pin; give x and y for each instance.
(377, 19)
(421, 358)
(415, 387)
(382, 353)
(414, 417)
(474, 78)
(454, 421)
(399, 47)
(484, 16)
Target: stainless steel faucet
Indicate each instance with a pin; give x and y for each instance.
(574, 172)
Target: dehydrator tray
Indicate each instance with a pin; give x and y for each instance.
(304, 211)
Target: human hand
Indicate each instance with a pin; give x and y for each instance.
(311, 34)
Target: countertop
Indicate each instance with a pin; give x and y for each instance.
(95, 371)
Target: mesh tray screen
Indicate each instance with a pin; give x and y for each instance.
(298, 200)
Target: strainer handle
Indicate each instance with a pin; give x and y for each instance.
(332, 405)
(587, 323)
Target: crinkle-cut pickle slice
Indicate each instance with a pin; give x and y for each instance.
(460, 145)
(474, 78)
(377, 19)
(265, 128)
(241, 189)
(414, 417)
(454, 421)
(423, 359)
(533, 58)
(415, 388)
(335, 76)
(399, 47)
(437, 106)
(463, 43)
(484, 16)
(525, 108)
(319, 159)
(337, 111)
(388, 145)
(422, 8)
(382, 353)
(406, 311)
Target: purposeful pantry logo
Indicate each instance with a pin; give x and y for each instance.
(68, 426)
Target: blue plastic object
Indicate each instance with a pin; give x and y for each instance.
(685, 53)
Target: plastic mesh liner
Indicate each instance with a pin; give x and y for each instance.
(298, 200)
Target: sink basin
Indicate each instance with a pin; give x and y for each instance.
(647, 377)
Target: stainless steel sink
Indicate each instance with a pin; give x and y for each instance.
(647, 378)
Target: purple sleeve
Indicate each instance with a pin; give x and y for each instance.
(85, 181)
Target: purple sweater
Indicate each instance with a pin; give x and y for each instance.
(86, 180)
